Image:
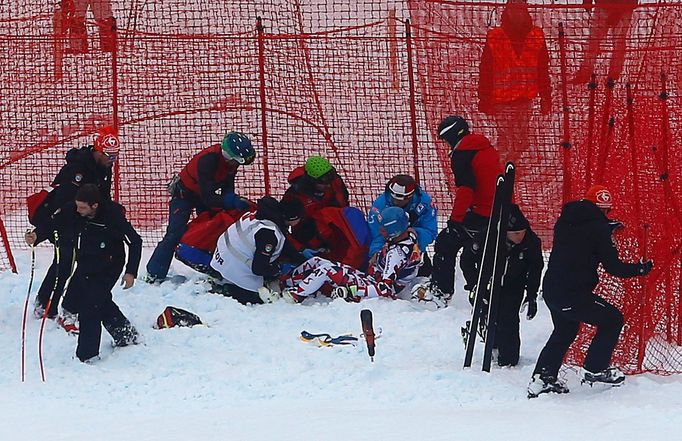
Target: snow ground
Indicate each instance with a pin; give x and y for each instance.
(246, 376)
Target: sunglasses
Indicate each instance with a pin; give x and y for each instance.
(111, 156)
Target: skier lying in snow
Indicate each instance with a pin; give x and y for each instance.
(391, 273)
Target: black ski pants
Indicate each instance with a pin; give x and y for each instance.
(96, 308)
(243, 296)
(56, 277)
(448, 245)
(593, 310)
(507, 338)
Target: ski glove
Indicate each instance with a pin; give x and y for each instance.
(531, 303)
(453, 231)
(231, 200)
(309, 253)
(645, 267)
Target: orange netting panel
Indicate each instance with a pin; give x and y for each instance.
(365, 83)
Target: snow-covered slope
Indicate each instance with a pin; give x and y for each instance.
(246, 376)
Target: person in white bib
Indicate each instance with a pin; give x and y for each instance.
(248, 252)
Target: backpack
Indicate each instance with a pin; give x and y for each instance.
(38, 202)
(172, 316)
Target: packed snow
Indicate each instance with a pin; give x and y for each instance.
(246, 376)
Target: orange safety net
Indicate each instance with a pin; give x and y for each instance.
(365, 83)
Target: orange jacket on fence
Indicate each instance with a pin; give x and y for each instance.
(514, 65)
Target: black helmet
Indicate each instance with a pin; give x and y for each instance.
(517, 221)
(452, 129)
(269, 208)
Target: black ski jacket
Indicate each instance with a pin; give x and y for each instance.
(80, 168)
(98, 242)
(524, 265)
(582, 240)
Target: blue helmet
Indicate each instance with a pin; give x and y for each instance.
(237, 147)
(394, 221)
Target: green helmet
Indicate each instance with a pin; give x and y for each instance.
(317, 166)
(237, 147)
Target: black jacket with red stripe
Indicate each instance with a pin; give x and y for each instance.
(80, 168)
(476, 165)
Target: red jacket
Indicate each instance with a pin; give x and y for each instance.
(476, 165)
(206, 172)
(333, 233)
(302, 188)
(508, 75)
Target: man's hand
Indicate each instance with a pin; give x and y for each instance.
(531, 303)
(127, 281)
(30, 237)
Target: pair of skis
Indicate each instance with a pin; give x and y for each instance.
(491, 272)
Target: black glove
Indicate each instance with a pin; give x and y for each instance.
(472, 293)
(645, 267)
(531, 303)
(454, 230)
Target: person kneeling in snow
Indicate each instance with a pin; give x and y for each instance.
(392, 272)
(248, 253)
(101, 230)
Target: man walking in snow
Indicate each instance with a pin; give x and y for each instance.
(101, 230)
(88, 165)
(582, 240)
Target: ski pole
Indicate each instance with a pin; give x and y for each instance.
(23, 321)
(368, 330)
(47, 308)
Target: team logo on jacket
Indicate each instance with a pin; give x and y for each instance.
(269, 248)
(102, 245)
(78, 177)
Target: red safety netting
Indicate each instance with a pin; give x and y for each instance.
(364, 83)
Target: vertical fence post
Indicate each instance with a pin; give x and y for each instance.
(607, 129)
(641, 240)
(114, 107)
(566, 141)
(413, 106)
(5, 241)
(263, 103)
(592, 87)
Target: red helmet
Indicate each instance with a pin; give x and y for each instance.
(401, 187)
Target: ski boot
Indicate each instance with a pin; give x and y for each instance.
(430, 297)
(611, 376)
(347, 293)
(68, 321)
(543, 383)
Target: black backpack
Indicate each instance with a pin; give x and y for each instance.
(172, 316)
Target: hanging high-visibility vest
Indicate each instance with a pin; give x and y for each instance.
(515, 75)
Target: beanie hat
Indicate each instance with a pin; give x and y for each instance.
(107, 141)
(317, 166)
(517, 221)
(600, 196)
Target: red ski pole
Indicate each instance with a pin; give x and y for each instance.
(47, 309)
